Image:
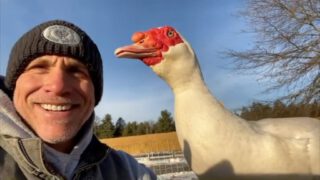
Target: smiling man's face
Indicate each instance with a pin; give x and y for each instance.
(55, 97)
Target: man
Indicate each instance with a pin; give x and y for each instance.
(47, 99)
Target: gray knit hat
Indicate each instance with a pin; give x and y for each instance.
(55, 37)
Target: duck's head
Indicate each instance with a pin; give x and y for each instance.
(164, 50)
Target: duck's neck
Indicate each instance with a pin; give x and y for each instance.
(197, 110)
(194, 93)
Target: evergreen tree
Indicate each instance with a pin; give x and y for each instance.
(315, 110)
(165, 122)
(96, 125)
(106, 128)
(279, 109)
(120, 125)
(144, 128)
(256, 111)
(130, 129)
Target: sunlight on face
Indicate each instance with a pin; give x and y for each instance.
(55, 97)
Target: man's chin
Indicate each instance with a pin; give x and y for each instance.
(59, 138)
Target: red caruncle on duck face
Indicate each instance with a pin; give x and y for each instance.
(149, 45)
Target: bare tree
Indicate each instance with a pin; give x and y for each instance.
(286, 52)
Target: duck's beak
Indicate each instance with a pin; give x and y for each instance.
(135, 51)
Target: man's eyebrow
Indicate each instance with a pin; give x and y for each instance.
(78, 64)
(39, 61)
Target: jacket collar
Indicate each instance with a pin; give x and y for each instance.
(95, 153)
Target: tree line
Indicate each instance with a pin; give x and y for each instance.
(279, 109)
(105, 128)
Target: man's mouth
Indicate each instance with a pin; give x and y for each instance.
(55, 107)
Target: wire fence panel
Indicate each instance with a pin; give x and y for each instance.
(160, 152)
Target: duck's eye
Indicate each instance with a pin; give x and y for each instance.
(170, 34)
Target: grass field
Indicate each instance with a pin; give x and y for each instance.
(142, 144)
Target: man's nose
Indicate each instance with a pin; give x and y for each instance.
(57, 82)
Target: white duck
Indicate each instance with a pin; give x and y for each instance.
(216, 143)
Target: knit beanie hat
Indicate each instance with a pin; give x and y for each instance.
(55, 37)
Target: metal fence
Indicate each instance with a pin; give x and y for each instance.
(164, 162)
(161, 153)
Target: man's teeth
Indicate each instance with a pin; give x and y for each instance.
(52, 107)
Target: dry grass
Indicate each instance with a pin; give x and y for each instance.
(135, 145)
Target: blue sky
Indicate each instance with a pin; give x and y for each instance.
(131, 90)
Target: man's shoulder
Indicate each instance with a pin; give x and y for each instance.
(112, 155)
(98, 150)
(121, 164)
